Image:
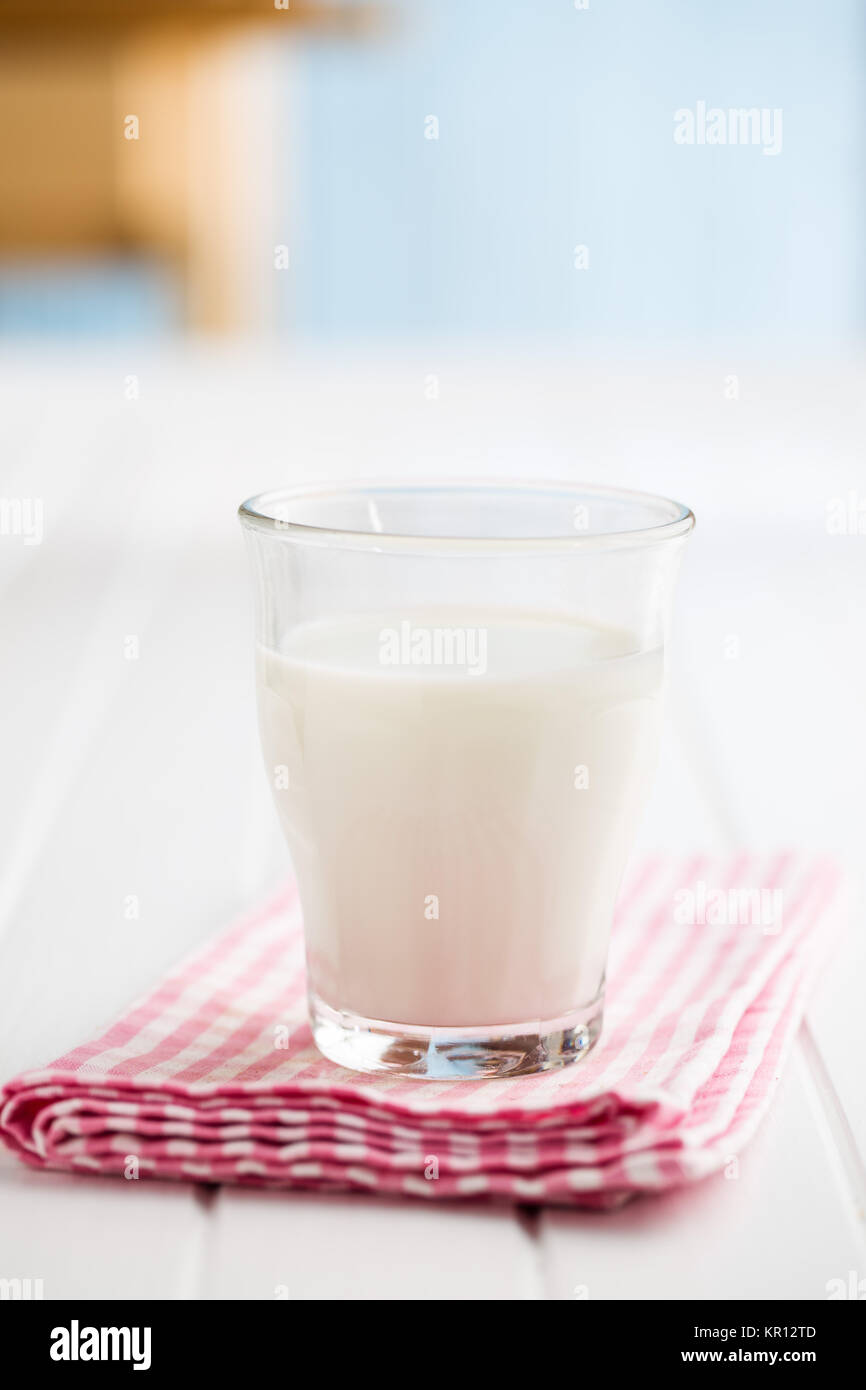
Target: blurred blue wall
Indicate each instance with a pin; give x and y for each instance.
(87, 299)
(556, 129)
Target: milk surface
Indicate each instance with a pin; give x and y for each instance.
(459, 794)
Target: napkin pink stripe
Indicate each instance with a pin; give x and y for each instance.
(156, 1004)
(191, 1084)
(179, 1038)
(814, 890)
(665, 1032)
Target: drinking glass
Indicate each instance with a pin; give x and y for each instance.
(460, 688)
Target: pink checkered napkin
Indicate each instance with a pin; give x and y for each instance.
(699, 1020)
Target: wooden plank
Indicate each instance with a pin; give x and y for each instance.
(304, 1246)
(777, 1230)
(163, 832)
(86, 1237)
(782, 1228)
(175, 746)
(69, 606)
(777, 737)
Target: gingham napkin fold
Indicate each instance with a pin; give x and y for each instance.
(214, 1077)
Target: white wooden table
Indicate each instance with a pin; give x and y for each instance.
(138, 777)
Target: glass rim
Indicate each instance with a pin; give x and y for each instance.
(257, 513)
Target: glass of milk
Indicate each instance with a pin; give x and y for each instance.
(460, 690)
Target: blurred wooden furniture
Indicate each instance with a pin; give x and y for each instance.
(151, 129)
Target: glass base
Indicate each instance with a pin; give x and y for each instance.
(454, 1054)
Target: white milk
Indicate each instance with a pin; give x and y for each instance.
(458, 828)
